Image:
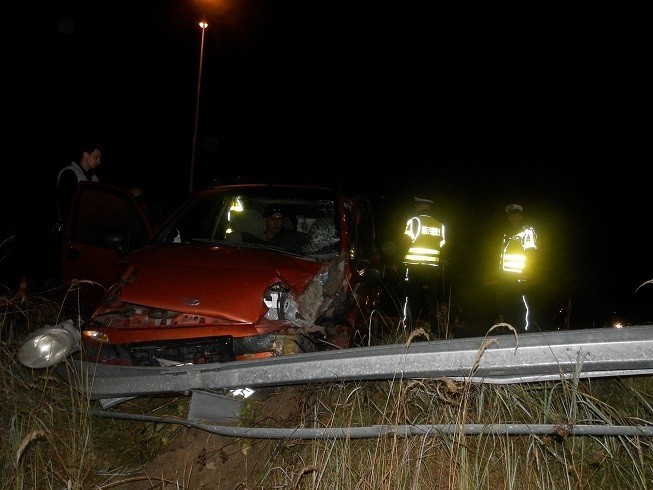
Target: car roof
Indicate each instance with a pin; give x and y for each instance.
(292, 183)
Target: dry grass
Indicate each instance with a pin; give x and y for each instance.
(471, 461)
(50, 440)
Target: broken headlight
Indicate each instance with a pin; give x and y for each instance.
(280, 302)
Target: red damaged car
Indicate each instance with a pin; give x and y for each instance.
(214, 285)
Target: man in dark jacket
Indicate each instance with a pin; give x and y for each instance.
(71, 175)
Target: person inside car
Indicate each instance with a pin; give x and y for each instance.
(272, 223)
(280, 232)
(274, 219)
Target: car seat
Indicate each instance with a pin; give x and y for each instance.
(247, 222)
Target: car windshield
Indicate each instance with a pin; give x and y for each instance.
(294, 220)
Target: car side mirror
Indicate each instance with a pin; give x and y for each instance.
(115, 239)
(370, 274)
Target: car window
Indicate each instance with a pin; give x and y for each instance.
(238, 217)
(102, 210)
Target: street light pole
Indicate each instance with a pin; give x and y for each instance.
(203, 25)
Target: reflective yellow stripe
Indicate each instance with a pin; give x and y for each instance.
(422, 258)
(423, 251)
(514, 262)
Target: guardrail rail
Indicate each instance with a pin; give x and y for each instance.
(502, 359)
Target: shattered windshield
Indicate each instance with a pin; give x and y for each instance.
(296, 220)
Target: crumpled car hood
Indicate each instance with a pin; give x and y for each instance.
(222, 282)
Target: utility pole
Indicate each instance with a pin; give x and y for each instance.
(203, 25)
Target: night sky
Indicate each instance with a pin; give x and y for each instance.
(473, 106)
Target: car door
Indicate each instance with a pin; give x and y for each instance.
(105, 223)
(366, 260)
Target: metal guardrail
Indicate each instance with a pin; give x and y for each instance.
(376, 431)
(503, 359)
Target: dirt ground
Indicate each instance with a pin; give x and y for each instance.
(199, 459)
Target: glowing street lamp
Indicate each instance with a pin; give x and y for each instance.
(203, 25)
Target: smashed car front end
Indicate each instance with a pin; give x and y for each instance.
(227, 313)
(204, 291)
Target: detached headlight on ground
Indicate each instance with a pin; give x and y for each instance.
(49, 345)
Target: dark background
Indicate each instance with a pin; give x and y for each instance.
(472, 106)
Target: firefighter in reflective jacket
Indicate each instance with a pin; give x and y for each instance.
(516, 264)
(423, 266)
